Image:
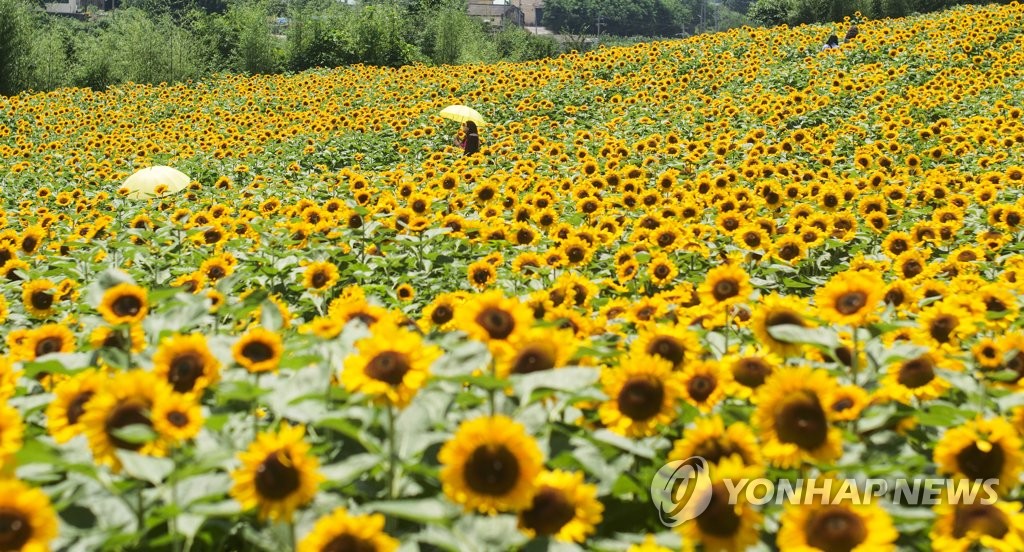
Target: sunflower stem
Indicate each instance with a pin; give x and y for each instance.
(256, 410)
(291, 536)
(854, 365)
(140, 512)
(173, 482)
(725, 332)
(392, 453)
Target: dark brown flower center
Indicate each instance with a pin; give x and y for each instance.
(942, 328)
(532, 359)
(126, 305)
(985, 519)
(701, 387)
(348, 543)
(481, 276)
(48, 345)
(15, 530)
(41, 300)
(799, 419)
(917, 372)
(77, 406)
(661, 271)
(751, 372)
(835, 529)
(725, 289)
(978, 464)
(641, 398)
(851, 302)
(257, 351)
(441, 315)
(716, 450)
(177, 419)
(789, 251)
(720, 518)
(912, 268)
(842, 404)
(184, 371)
(576, 254)
(895, 297)
(276, 477)
(320, 279)
(389, 367)
(124, 416)
(491, 470)
(668, 348)
(497, 323)
(550, 511)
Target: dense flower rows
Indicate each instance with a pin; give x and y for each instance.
(344, 335)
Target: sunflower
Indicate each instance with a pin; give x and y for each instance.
(962, 526)
(278, 475)
(981, 450)
(185, 361)
(563, 507)
(39, 297)
(340, 531)
(493, 317)
(793, 422)
(259, 350)
(392, 364)
(440, 313)
(535, 350)
(27, 520)
(850, 297)
(491, 464)
(643, 392)
(131, 338)
(193, 282)
(847, 402)
(723, 526)
(674, 343)
(44, 340)
(126, 400)
(778, 310)
(405, 292)
(710, 440)
(724, 285)
(661, 271)
(124, 304)
(915, 379)
(481, 274)
(64, 413)
(942, 324)
(177, 417)
(8, 378)
(11, 432)
(836, 526)
(320, 276)
(704, 384)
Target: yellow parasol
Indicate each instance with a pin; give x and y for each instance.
(156, 181)
(462, 113)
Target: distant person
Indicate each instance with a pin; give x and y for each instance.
(471, 143)
(852, 33)
(832, 43)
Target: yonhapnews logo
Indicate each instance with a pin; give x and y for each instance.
(682, 490)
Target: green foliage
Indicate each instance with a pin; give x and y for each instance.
(618, 17)
(380, 36)
(320, 35)
(16, 29)
(255, 50)
(517, 44)
(48, 57)
(770, 13)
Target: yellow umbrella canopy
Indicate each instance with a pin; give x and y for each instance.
(156, 181)
(462, 113)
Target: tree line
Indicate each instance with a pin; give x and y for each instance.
(153, 41)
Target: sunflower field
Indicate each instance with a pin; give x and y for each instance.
(346, 335)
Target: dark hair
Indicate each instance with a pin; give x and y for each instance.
(852, 33)
(833, 40)
(472, 138)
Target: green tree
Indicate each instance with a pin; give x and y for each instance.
(16, 29)
(255, 50)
